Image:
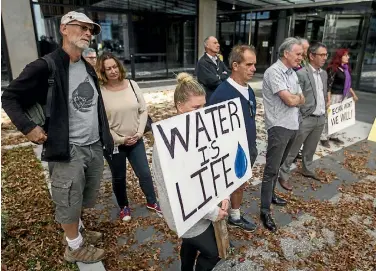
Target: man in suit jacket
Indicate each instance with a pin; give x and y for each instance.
(210, 70)
(313, 82)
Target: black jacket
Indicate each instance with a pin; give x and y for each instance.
(210, 75)
(31, 87)
(336, 81)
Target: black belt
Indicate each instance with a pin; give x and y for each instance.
(316, 116)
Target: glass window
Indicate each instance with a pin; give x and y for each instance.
(169, 47)
(150, 44)
(368, 73)
(345, 31)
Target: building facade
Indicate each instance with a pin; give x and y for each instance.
(159, 38)
(338, 24)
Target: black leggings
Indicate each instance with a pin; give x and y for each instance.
(206, 244)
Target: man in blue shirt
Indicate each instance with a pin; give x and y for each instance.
(242, 60)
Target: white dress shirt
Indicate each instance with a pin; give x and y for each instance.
(213, 58)
(320, 99)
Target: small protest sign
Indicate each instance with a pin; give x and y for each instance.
(372, 133)
(204, 157)
(341, 115)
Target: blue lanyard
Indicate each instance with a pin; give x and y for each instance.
(251, 103)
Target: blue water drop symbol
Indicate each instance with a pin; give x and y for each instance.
(241, 162)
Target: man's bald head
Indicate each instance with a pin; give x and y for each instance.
(211, 45)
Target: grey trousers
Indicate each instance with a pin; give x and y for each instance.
(280, 141)
(308, 135)
(335, 98)
(75, 184)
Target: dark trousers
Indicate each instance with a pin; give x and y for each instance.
(136, 155)
(280, 141)
(206, 244)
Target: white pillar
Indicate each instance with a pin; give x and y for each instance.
(207, 22)
(19, 34)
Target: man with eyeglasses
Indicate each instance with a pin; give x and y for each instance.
(313, 81)
(90, 56)
(74, 134)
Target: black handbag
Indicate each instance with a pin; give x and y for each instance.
(38, 113)
(149, 120)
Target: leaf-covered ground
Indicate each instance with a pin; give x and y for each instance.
(31, 240)
(331, 235)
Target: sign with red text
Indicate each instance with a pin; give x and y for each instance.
(204, 157)
(341, 115)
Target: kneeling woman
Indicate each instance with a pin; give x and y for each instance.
(189, 96)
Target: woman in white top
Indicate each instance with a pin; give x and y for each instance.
(189, 95)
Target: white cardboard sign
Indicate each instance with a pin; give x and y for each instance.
(204, 157)
(341, 115)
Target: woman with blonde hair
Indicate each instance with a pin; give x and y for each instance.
(127, 116)
(189, 95)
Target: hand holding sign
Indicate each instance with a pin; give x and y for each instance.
(225, 204)
(204, 157)
(221, 215)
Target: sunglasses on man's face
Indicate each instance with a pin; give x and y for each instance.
(84, 28)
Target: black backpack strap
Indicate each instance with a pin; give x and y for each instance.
(133, 90)
(51, 83)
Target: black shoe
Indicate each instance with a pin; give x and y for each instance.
(278, 201)
(242, 223)
(325, 143)
(337, 141)
(268, 222)
(299, 156)
(311, 175)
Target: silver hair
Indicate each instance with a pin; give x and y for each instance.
(206, 41)
(87, 51)
(314, 47)
(287, 45)
(302, 39)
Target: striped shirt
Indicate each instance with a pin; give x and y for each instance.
(277, 78)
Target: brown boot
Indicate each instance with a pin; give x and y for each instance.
(284, 184)
(91, 237)
(85, 253)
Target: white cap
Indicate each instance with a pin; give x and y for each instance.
(80, 17)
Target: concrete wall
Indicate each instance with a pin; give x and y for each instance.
(19, 33)
(207, 22)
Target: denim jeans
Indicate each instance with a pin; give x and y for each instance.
(136, 155)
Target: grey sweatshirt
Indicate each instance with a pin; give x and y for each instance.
(200, 226)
